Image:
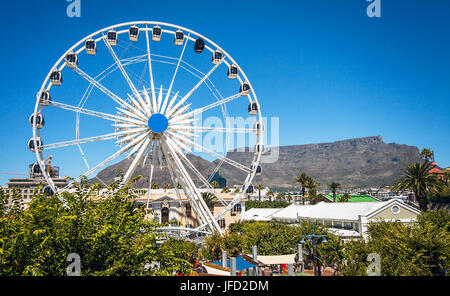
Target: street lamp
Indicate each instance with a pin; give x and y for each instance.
(314, 239)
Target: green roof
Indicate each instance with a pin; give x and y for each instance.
(353, 198)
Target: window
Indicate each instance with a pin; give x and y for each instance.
(395, 209)
(222, 223)
(188, 211)
(348, 225)
(237, 209)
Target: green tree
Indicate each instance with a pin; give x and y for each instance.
(405, 250)
(109, 233)
(314, 196)
(259, 187)
(209, 198)
(226, 190)
(154, 186)
(270, 194)
(280, 196)
(334, 186)
(427, 154)
(3, 201)
(302, 179)
(214, 184)
(265, 204)
(344, 198)
(167, 186)
(417, 178)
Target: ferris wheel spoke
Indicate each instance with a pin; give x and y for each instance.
(85, 111)
(149, 57)
(213, 129)
(106, 91)
(217, 155)
(176, 70)
(140, 154)
(83, 141)
(172, 101)
(194, 169)
(111, 158)
(203, 109)
(127, 78)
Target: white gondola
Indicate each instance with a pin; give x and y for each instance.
(259, 127)
(111, 37)
(44, 98)
(56, 77)
(199, 45)
(257, 169)
(178, 37)
(244, 89)
(39, 120)
(253, 108)
(133, 33)
(216, 57)
(31, 144)
(232, 72)
(156, 33)
(72, 60)
(259, 147)
(250, 189)
(36, 169)
(91, 47)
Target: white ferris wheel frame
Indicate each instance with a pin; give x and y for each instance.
(206, 219)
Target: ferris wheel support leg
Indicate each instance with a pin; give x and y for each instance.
(193, 194)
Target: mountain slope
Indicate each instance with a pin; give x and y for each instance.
(353, 163)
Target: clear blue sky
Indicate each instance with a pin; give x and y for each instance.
(325, 68)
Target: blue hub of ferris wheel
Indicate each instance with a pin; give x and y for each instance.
(158, 123)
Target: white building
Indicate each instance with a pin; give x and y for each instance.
(349, 220)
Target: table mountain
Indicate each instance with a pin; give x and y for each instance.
(353, 163)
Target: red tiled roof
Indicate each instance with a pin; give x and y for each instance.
(435, 170)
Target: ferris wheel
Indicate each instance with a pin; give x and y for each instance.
(139, 91)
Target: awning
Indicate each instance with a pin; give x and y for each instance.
(277, 259)
(241, 264)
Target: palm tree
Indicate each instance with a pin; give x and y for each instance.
(427, 154)
(210, 199)
(167, 186)
(280, 196)
(236, 190)
(344, 198)
(334, 186)
(289, 197)
(416, 178)
(154, 186)
(214, 184)
(302, 179)
(259, 187)
(270, 194)
(226, 190)
(315, 196)
(311, 184)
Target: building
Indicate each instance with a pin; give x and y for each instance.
(264, 214)
(35, 183)
(165, 206)
(437, 172)
(349, 220)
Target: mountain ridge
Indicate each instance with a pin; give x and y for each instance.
(357, 162)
